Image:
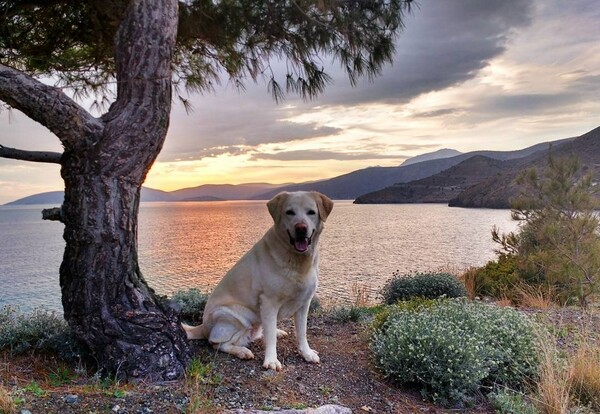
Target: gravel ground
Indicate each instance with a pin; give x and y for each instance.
(345, 376)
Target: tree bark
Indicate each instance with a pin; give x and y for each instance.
(105, 297)
(36, 156)
(106, 300)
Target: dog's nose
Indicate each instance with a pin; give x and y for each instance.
(301, 229)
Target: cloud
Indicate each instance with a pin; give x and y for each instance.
(588, 85)
(243, 136)
(522, 104)
(445, 43)
(467, 74)
(437, 113)
(365, 149)
(228, 120)
(218, 151)
(314, 155)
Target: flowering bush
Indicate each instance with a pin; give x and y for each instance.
(191, 304)
(423, 285)
(41, 329)
(454, 348)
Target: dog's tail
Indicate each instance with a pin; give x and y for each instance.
(195, 332)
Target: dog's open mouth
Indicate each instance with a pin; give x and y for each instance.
(300, 242)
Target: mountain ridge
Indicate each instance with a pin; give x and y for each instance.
(441, 153)
(351, 185)
(497, 192)
(356, 183)
(485, 182)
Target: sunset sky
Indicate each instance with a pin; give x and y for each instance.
(468, 75)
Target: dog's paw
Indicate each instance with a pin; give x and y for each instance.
(281, 333)
(310, 355)
(244, 353)
(273, 364)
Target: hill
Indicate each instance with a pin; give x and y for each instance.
(496, 192)
(354, 184)
(438, 188)
(50, 197)
(483, 181)
(224, 191)
(57, 197)
(442, 153)
(344, 187)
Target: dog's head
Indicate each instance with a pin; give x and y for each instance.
(299, 217)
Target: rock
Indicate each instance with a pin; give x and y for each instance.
(268, 374)
(24, 412)
(325, 409)
(71, 399)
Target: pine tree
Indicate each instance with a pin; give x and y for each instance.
(141, 49)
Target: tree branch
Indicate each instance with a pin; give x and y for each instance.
(54, 213)
(35, 156)
(49, 106)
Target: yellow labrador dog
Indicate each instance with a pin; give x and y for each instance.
(276, 279)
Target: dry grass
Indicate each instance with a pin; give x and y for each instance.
(452, 269)
(584, 370)
(7, 405)
(504, 301)
(361, 293)
(538, 297)
(553, 388)
(199, 382)
(568, 378)
(469, 279)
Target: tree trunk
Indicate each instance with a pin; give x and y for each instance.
(105, 297)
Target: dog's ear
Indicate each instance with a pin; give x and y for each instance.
(274, 205)
(324, 204)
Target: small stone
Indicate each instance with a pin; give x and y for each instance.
(25, 412)
(331, 409)
(116, 408)
(71, 399)
(366, 408)
(269, 374)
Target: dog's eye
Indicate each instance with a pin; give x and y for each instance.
(290, 213)
(311, 212)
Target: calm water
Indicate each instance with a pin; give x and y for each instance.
(184, 245)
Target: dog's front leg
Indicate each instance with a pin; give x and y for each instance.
(268, 316)
(300, 319)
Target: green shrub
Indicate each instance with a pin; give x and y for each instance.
(42, 330)
(498, 278)
(412, 305)
(191, 304)
(315, 305)
(344, 314)
(506, 401)
(454, 348)
(509, 277)
(424, 285)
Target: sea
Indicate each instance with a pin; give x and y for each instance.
(185, 245)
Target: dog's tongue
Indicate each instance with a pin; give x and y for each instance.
(301, 244)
